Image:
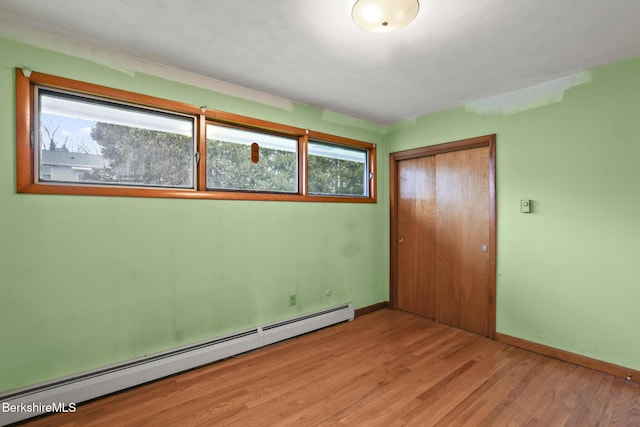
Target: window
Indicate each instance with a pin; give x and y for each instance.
(86, 140)
(230, 165)
(337, 170)
(78, 138)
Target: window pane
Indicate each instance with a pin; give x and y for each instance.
(230, 167)
(337, 170)
(85, 140)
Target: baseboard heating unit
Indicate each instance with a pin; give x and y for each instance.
(53, 396)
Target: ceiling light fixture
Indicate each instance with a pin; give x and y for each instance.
(383, 16)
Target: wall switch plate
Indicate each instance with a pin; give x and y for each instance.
(525, 206)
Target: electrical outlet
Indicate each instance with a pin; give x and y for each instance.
(292, 300)
(328, 292)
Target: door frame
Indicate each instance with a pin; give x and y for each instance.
(463, 144)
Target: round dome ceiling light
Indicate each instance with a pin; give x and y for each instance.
(383, 16)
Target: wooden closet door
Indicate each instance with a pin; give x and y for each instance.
(416, 236)
(462, 239)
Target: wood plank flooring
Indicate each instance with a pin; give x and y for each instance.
(387, 368)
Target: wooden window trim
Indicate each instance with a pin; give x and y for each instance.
(26, 177)
(347, 142)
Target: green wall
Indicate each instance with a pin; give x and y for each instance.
(569, 273)
(90, 281)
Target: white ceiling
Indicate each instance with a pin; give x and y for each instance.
(309, 51)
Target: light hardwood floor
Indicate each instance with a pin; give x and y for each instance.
(385, 368)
